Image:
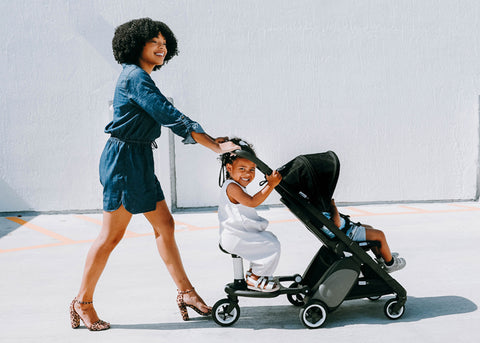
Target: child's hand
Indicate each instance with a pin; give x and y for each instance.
(274, 178)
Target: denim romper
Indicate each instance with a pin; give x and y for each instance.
(126, 165)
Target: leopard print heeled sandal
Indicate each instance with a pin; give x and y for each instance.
(75, 318)
(183, 306)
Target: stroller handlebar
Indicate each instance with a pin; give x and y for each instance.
(249, 156)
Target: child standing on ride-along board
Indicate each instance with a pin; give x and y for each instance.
(242, 230)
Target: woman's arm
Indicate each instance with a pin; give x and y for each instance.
(142, 90)
(219, 145)
(238, 196)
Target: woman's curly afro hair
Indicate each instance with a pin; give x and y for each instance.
(130, 38)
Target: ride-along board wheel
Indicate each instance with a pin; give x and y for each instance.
(295, 299)
(222, 316)
(388, 309)
(313, 314)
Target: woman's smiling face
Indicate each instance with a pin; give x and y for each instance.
(242, 171)
(153, 52)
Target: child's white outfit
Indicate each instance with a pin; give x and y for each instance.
(242, 232)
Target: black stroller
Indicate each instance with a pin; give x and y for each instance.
(341, 270)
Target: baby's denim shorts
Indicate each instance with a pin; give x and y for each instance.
(356, 232)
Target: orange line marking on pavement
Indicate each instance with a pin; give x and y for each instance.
(415, 209)
(189, 227)
(40, 229)
(284, 221)
(129, 234)
(459, 209)
(367, 213)
(44, 246)
(99, 222)
(89, 219)
(467, 207)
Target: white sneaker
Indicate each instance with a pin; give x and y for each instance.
(381, 261)
(398, 263)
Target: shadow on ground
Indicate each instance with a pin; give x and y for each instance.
(8, 226)
(349, 313)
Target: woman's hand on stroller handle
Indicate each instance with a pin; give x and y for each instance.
(219, 145)
(220, 139)
(227, 146)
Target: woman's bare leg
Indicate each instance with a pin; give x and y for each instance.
(113, 228)
(164, 228)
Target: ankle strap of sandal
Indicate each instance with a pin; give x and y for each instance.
(185, 292)
(83, 302)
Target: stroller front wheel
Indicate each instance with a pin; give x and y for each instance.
(314, 314)
(390, 313)
(225, 312)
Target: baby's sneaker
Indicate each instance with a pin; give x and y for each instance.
(381, 261)
(398, 263)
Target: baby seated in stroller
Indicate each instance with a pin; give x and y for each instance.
(357, 232)
(314, 177)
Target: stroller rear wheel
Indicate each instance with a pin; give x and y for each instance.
(314, 314)
(225, 312)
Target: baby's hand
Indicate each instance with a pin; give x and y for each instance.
(274, 178)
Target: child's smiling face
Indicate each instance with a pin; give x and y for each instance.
(242, 171)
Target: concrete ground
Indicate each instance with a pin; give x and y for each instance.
(42, 257)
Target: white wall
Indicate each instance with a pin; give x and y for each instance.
(391, 86)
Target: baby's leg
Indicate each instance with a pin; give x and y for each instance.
(378, 235)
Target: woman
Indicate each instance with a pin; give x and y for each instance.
(126, 165)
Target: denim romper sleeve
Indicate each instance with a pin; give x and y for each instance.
(143, 92)
(126, 165)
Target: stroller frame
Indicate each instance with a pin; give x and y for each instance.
(341, 270)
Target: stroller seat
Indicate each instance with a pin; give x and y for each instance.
(224, 251)
(238, 272)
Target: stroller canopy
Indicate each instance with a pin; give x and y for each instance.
(314, 176)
